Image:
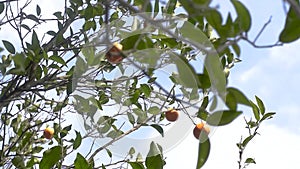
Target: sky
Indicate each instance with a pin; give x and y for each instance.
(272, 74)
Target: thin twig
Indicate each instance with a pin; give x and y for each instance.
(262, 29)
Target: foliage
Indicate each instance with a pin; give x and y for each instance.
(50, 76)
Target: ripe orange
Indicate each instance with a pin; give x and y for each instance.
(171, 114)
(114, 55)
(199, 128)
(48, 133)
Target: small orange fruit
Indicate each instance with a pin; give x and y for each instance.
(114, 55)
(171, 114)
(48, 133)
(199, 128)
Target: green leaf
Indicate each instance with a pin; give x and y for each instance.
(131, 151)
(108, 152)
(186, 73)
(9, 47)
(38, 10)
(89, 25)
(291, 31)
(89, 54)
(154, 158)
(156, 8)
(1, 7)
(32, 162)
(231, 101)
(246, 141)
(154, 149)
(78, 2)
(239, 96)
(19, 61)
(139, 157)
(192, 6)
(52, 33)
(158, 128)
(171, 6)
(146, 90)
(33, 17)
(260, 105)
(243, 15)
(114, 134)
(255, 110)
(18, 162)
(51, 157)
(57, 59)
(70, 87)
(202, 114)
(267, 116)
(35, 42)
(154, 110)
(154, 162)
(137, 41)
(77, 141)
(220, 118)
(81, 163)
(203, 150)
(250, 160)
(204, 103)
(214, 18)
(26, 27)
(236, 49)
(137, 165)
(131, 118)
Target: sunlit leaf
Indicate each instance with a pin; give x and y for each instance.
(260, 105)
(244, 17)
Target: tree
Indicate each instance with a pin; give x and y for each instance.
(114, 90)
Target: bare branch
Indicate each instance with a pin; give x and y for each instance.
(262, 29)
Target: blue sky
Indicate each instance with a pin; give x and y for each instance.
(273, 75)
